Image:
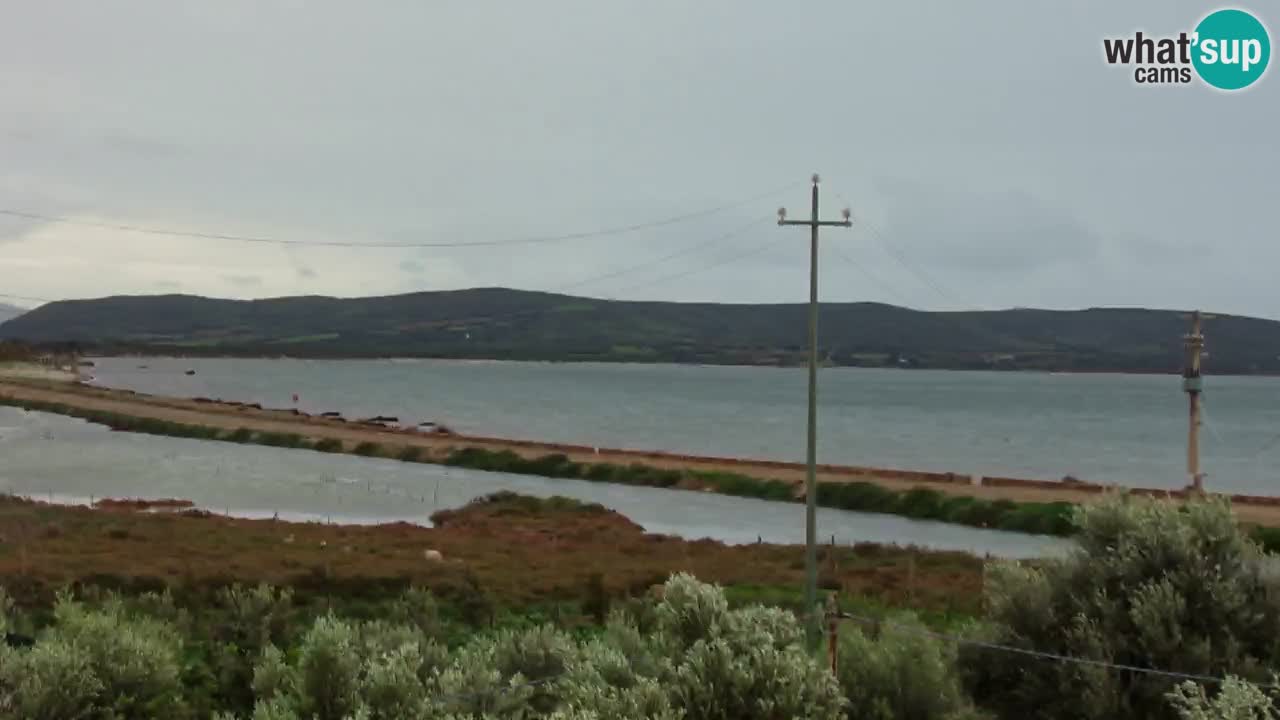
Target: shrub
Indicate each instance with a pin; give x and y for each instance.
(368, 449)
(391, 686)
(53, 680)
(251, 621)
(472, 686)
(746, 486)
(921, 503)
(863, 496)
(281, 439)
(555, 465)
(643, 475)
(741, 663)
(690, 610)
(1151, 584)
(418, 607)
(96, 664)
(1267, 537)
(329, 445)
(600, 472)
(410, 453)
(328, 670)
(607, 681)
(538, 655)
(903, 674)
(240, 435)
(1237, 700)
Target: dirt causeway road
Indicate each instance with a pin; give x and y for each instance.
(226, 415)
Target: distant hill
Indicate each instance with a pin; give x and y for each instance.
(511, 324)
(8, 312)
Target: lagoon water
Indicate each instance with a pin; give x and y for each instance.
(68, 460)
(1109, 428)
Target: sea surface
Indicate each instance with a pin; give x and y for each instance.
(64, 459)
(1126, 429)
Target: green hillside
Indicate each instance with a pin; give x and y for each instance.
(510, 324)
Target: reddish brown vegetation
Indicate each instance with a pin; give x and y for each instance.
(139, 505)
(517, 551)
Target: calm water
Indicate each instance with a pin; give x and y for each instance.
(50, 456)
(1111, 428)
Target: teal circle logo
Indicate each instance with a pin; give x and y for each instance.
(1231, 49)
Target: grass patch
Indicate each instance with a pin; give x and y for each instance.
(1267, 537)
(279, 439)
(1053, 518)
(368, 449)
(329, 445)
(410, 454)
(240, 435)
(745, 486)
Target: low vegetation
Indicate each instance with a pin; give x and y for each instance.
(1154, 596)
(504, 552)
(1152, 585)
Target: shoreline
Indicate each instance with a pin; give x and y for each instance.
(781, 480)
(1171, 372)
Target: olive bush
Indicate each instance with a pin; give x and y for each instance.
(686, 657)
(94, 664)
(738, 664)
(1237, 700)
(1151, 584)
(701, 661)
(903, 674)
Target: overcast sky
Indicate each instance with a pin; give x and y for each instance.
(1002, 161)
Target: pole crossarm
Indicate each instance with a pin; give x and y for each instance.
(819, 223)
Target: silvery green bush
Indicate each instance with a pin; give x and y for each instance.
(1151, 584)
(94, 664)
(1236, 700)
(902, 674)
(255, 618)
(738, 664)
(328, 670)
(695, 660)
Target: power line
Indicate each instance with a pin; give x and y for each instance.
(869, 277)
(872, 622)
(605, 232)
(679, 253)
(918, 273)
(749, 252)
(735, 232)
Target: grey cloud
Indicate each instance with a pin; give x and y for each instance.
(992, 231)
(1027, 171)
(243, 281)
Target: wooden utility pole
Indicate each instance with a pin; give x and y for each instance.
(812, 617)
(1193, 385)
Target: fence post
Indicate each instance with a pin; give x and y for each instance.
(833, 626)
(911, 578)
